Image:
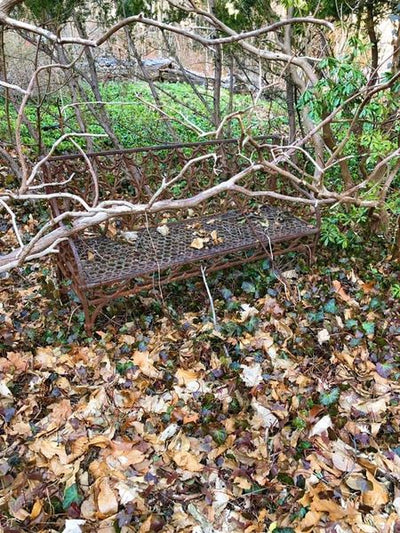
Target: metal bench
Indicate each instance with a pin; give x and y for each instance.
(220, 234)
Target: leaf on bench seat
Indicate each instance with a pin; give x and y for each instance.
(199, 243)
(130, 236)
(215, 238)
(163, 230)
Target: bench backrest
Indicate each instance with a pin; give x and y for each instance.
(136, 174)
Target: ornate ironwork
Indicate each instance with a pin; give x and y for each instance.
(225, 231)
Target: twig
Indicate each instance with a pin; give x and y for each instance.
(13, 221)
(214, 316)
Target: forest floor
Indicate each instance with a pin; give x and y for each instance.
(284, 417)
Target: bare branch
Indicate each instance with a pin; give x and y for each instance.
(40, 163)
(13, 221)
(233, 36)
(13, 87)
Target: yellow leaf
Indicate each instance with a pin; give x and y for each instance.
(36, 509)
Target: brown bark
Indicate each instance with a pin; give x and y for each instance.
(101, 112)
(396, 51)
(290, 87)
(373, 38)
(396, 244)
(217, 85)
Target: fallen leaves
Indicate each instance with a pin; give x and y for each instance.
(284, 416)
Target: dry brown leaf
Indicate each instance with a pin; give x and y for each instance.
(146, 527)
(15, 362)
(187, 461)
(357, 481)
(163, 230)
(198, 243)
(127, 456)
(45, 358)
(243, 483)
(321, 426)
(377, 496)
(107, 503)
(311, 519)
(343, 461)
(215, 238)
(376, 407)
(368, 286)
(337, 286)
(321, 502)
(323, 336)
(146, 365)
(60, 412)
(4, 390)
(185, 376)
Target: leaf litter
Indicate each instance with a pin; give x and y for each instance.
(284, 418)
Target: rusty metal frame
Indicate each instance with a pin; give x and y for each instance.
(133, 174)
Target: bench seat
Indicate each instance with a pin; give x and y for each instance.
(102, 260)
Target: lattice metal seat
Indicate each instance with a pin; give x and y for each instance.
(102, 260)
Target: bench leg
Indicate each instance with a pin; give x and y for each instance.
(90, 310)
(314, 249)
(61, 285)
(90, 317)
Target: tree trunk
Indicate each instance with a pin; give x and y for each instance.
(74, 90)
(396, 244)
(217, 86)
(132, 48)
(373, 38)
(290, 87)
(101, 113)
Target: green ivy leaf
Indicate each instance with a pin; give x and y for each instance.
(368, 327)
(248, 287)
(285, 478)
(219, 436)
(329, 398)
(71, 495)
(330, 307)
